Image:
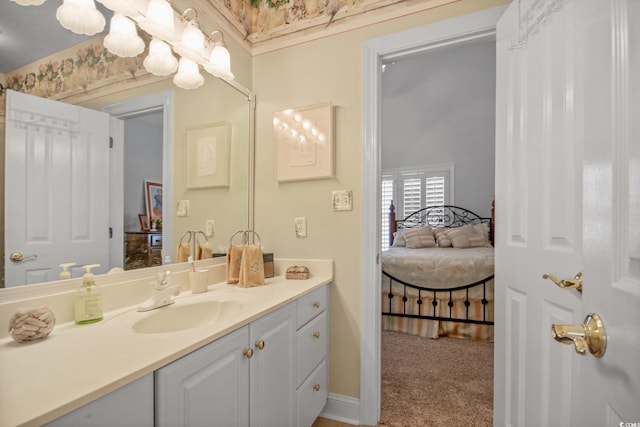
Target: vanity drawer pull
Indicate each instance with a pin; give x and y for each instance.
(316, 334)
(316, 304)
(316, 387)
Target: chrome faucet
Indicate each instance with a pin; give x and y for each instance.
(162, 292)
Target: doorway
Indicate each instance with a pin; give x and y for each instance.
(159, 106)
(476, 26)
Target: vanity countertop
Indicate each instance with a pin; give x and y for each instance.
(77, 364)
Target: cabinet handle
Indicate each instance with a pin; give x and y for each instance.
(316, 304)
(248, 353)
(316, 334)
(316, 387)
(260, 344)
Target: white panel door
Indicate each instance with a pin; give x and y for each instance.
(56, 188)
(567, 201)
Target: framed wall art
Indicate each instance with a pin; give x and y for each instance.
(304, 143)
(153, 200)
(207, 156)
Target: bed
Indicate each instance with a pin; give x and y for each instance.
(437, 276)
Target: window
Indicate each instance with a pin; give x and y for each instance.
(414, 189)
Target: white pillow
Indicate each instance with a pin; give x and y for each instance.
(398, 239)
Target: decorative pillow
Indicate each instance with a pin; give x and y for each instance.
(483, 230)
(419, 238)
(442, 238)
(398, 239)
(465, 237)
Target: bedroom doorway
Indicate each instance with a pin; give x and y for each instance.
(476, 27)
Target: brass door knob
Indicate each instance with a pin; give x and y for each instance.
(248, 353)
(316, 334)
(19, 257)
(260, 344)
(591, 335)
(316, 387)
(575, 283)
(316, 304)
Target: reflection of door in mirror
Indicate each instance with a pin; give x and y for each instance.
(56, 188)
(61, 211)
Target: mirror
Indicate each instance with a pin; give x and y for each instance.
(230, 207)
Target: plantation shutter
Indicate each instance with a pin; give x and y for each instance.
(411, 193)
(386, 198)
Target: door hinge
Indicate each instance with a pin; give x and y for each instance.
(377, 258)
(110, 232)
(110, 142)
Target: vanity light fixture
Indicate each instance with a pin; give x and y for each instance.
(188, 75)
(80, 17)
(160, 61)
(191, 43)
(169, 30)
(123, 39)
(159, 20)
(219, 63)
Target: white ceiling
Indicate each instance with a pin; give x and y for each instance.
(28, 33)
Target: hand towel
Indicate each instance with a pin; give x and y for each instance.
(183, 252)
(251, 267)
(234, 258)
(204, 251)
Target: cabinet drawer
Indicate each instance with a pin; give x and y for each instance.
(312, 304)
(312, 396)
(311, 345)
(155, 240)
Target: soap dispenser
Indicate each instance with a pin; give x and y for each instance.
(88, 301)
(65, 273)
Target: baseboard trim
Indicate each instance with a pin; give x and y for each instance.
(342, 408)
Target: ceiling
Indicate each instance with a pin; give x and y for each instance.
(45, 36)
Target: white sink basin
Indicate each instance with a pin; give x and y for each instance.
(188, 312)
(182, 317)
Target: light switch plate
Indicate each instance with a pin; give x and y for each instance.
(301, 226)
(183, 208)
(342, 200)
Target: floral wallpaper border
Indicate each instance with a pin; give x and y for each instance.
(80, 69)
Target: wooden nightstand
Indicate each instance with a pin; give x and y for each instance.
(142, 249)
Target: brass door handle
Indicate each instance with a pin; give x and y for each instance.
(575, 283)
(19, 257)
(590, 336)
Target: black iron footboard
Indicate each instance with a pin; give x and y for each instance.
(435, 295)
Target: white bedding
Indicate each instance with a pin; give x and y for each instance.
(439, 267)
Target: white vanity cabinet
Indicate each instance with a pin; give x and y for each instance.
(246, 378)
(208, 387)
(131, 405)
(311, 353)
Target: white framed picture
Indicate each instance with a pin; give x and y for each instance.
(207, 156)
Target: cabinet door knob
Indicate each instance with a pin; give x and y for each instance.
(316, 387)
(316, 334)
(248, 353)
(316, 304)
(260, 344)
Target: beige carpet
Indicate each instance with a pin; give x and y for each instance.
(441, 382)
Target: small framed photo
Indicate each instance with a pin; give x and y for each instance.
(153, 200)
(304, 143)
(144, 222)
(207, 156)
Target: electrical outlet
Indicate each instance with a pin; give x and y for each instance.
(301, 226)
(208, 230)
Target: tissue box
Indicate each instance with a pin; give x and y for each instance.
(267, 259)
